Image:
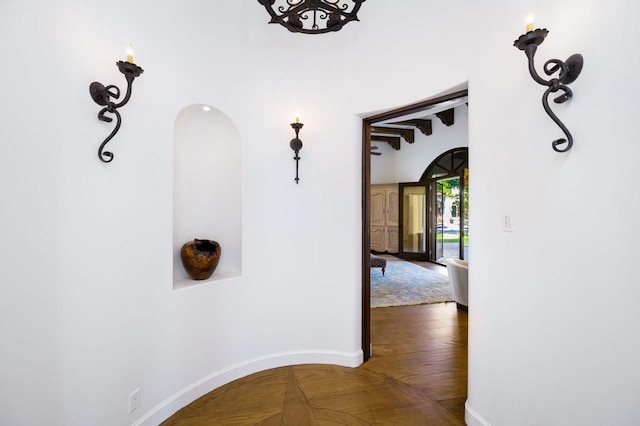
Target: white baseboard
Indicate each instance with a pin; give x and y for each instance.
(471, 416)
(186, 396)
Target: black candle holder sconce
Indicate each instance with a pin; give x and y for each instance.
(296, 144)
(569, 71)
(102, 96)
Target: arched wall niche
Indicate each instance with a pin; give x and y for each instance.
(207, 189)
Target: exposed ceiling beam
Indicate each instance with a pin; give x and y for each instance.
(425, 126)
(446, 117)
(394, 141)
(407, 134)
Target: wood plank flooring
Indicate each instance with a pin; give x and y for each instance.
(416, 376)
(435, 267)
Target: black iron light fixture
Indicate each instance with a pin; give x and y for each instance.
(312, 16)
(569, 71)
(102, 96)
(296, 143)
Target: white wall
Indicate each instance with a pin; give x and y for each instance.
(553, 313)
(409, 163)
(383, 167)
(88, 312)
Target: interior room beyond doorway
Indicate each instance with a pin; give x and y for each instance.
(397, 147)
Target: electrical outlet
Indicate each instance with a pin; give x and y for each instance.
(134, 400)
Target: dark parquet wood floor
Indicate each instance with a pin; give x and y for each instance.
(416, 376)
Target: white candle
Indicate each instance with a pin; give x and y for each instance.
(130, 54)
(529, 23)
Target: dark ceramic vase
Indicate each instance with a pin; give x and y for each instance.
(200, 258)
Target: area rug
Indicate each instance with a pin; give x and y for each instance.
(407, 284)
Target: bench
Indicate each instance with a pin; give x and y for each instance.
(378, 262)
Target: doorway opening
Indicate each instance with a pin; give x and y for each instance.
(452, 220)
(435, 211)
(447, 230)
(415, 227)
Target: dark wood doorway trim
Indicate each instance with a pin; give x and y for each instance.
(366, 196)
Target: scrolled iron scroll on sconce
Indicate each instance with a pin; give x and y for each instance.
(102, 96)
(569, 71)
(296, 143)
(312, 16)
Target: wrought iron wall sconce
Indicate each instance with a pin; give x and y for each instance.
(102, 96)
(312, 16)
(296, 143)
(569, 71)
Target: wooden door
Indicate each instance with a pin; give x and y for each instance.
(393, 206)
(378, 238)
(393, 214)
(392, 239)
(378, 206)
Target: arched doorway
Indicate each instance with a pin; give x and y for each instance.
(434, 212)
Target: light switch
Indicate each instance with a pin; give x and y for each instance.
(508, 224)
